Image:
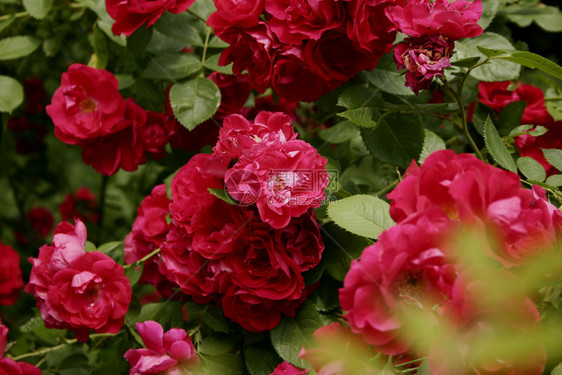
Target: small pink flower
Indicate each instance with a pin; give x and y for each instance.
(169, 353)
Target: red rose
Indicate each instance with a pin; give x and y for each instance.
(148, 234)
(235, 91)
(497, 95)
(129, 15)
(10, 276)
(254, 313)
(93, 293)
(41, 220)
(532, 146)
(122, 149)
(407, 268)
(80, 205)
(76, 290)
(250, 49)
(334, 58)
(423, 58)
(368, 26)
(293, 79)
(10, 367)
(154, 133)
(239, 14)
(86, 105)
(293, 21)
(454, 20)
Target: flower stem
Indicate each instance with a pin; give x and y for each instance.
(207, 36)
(15, 15)
(144, 259)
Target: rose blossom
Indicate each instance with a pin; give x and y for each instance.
(129, 15)
(529, 145)
(235, 91)
(285, 368)
(407, 268)
(10, 276)
(497, 95)
(148, 234)
(369, 27)
(86, 105)
(293, 21)
(80, 205)
(166, 353)
(291, 178)
(423, 58)
(7, 365)
(76, 290)
(235, 14)
(454, 20)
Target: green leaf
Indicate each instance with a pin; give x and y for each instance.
(342, 132)
(358, 96)
(557, 370)
(222, 195)
(341, 248)
(194, 101)
(497, 147)
(7, 22)
(17, 46)
(431, 143)
(391, 82)
(37, 8)
(532, 61)
(554, 157)
(138, 41)
(261, 359)
(466, 63)
(109, 247)
(169, 312)
(215, 319)
(217, 343)
(397, 140)
(172, 66)
(361, 116)
(11, 94)
(510, 117)
(223, 364)
(555, 180)
(212, 62)
(179, 27)
(489, 10)
(292, 334)
(495, 70)
(125, 80)
(134, 273)
(364, 215)
(531, 168)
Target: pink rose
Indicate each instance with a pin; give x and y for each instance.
(11, 281)
(86, 105)
(76, 290)
(454, 20)
(80, 205)
(129, 15)
(166, 353)
(238, 136)
(423, 58)
(294, 21)
(407, 268)
(285, 368)
(291, 177)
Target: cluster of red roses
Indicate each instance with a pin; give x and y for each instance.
(414, 265)
(249, 257)
(497, 95)
(431, 27)
(88, 110)
(302, 49)
(75, 289)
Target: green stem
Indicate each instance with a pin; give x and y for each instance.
(209, 30)
(553, 98)
(410, 362)
(387, 188)
(15, 15)
(144, 259)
